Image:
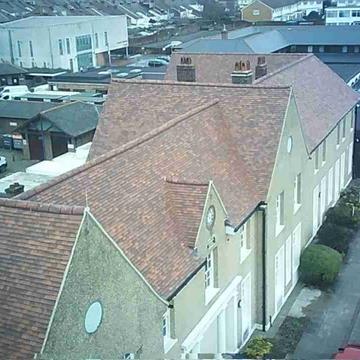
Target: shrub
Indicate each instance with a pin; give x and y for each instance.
(258, 347)
(344, 214)
(351, 195)
(335, 236)
(319, 265)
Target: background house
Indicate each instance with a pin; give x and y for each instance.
(11, 74)
(74, 42)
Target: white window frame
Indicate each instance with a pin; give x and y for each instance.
(330, 195)
(297, 193)
(288, 260)
(210, 290)
(338, 135)
(344, 130)
(280, 212)
(244, 249)
(316, 160)
(256, 12)
(350, 158)
(166, 325)
(323, 153)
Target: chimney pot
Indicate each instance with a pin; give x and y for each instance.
(261, 67)
(224, 33)
(186, 70)
(242, 73)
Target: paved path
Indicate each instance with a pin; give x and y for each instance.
(335, 318)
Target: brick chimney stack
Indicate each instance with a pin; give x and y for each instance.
(242, 73)
(224, 33)
(186, 70)
(261, 67)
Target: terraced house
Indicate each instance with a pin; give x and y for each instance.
(183, 232)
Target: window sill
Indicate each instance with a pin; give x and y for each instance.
(210, 293)
(279, 229)
(169, 343)
(316, 171)
(244, 253)
(296, 208)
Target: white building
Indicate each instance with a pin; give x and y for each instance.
(296, 10)
(67, 42)
(343, 15)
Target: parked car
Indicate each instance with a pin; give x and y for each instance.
(157, 62)
(3, 164)
(350, 351)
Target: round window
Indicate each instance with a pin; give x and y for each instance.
(289, 144)
(93, 317)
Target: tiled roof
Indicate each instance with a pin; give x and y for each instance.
(184, 131)
(32, 264)
(185, 203)
(217, 68)
(322, 97)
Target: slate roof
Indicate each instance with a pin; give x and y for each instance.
(274, 4)
(16, 109)
(267, 39)
(321, 96)
(73, 118)
(10, 69)
(185, 131)
(32, 264)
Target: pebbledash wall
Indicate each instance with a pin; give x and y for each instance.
(320, 187)
(132, 314)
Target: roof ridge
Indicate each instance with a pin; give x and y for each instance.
(285, 67)
(61, 105)
(239, 53)
(120, 150)
(184, 181)
(42, 207)
(182, 83)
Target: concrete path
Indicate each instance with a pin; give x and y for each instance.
(334, 318)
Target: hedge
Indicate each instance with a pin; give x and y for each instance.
(335, 236)
(319, 265)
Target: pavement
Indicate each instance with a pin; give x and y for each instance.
(334, 317)
(15, 162)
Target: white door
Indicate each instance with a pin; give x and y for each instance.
(246, 307)
(322, 198)
(342, 171)
(337, 180)
(296, 252)
(330, 186)
(279, 279)
(315, 209)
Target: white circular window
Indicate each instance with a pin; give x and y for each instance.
(93, 317)
(289, 144)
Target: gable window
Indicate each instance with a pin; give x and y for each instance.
(245, 248)
(280, 212)
(297, 192)
(169, 340)
(324, 152)
(128, 356)
(338, 135)
(61, 49)
(344, 130)
(256, 12)
(316, 155)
